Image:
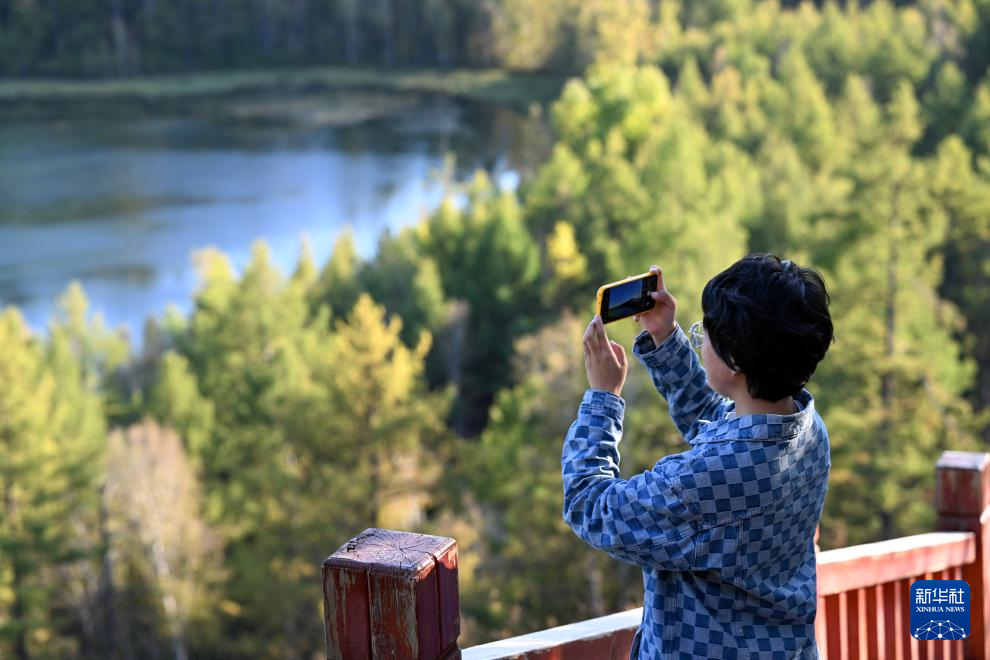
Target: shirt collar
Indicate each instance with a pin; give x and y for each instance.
(764, 427)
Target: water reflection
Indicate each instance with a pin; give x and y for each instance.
(120, 204)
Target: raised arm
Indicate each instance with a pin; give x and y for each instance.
(674, 367)
(678, 375)
(643, 520)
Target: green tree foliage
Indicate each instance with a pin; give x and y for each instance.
(175, 397)
(613, 31)
(52, 435)
(254, 357)
(818, 158)
(532, 36)
(488, 260)
(407, 282)
(566, 271)
(88, 38)
(379, 404)
(338, 285)
(429, 387)
(279, 409)
(896, 348)
(523, 538)
(637, 177)
(964, 194)
(884, 41)
(118, 38)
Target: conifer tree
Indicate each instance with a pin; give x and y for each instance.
(407, 282)
(52, 437)
(488, 259)
(380, 406)
(338, 285)
(894, 345)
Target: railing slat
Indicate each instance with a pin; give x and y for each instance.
(912, 648)
(856, 604)
(888, 601)
(939, 651)
(883, 623)
(901, 622)
(872, 621)
(835, 606)
(958, 648)
(924, 650)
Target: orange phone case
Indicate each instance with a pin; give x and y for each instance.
(601, 290)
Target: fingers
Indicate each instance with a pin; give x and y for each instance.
(600, 331)
(591, 338)
(595, 338)
(660, 285)
(619, 352)
(597, 330)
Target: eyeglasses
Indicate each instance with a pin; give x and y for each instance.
(696, 334)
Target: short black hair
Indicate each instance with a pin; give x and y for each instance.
(769, 319)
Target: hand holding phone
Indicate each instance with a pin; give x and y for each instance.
(604, 359)
(660, 320)
(627, 297)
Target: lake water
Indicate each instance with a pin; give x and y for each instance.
(121, 204)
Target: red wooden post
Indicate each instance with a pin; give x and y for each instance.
(389, 595)
(962, 499)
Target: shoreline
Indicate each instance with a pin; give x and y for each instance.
(154, 94)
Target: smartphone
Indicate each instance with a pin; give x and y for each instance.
(627, 297)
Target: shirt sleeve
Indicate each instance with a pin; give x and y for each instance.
(643, 520)
(678, 375)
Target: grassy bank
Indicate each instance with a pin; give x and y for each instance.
(150, 93)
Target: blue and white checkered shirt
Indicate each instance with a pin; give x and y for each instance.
(724, 532)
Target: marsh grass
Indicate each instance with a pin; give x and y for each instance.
(151, 94)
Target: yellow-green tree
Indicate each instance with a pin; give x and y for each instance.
(384, 415)
(52, 438)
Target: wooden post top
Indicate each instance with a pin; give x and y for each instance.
(962, 483)
(390, 552)
(390, 595)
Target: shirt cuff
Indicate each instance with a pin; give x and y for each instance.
(601, 402)
(656, 357)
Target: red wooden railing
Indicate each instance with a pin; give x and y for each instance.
(393, 595)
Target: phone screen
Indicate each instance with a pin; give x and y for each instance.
(628, 299)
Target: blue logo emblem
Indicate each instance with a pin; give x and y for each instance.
(939, 609)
